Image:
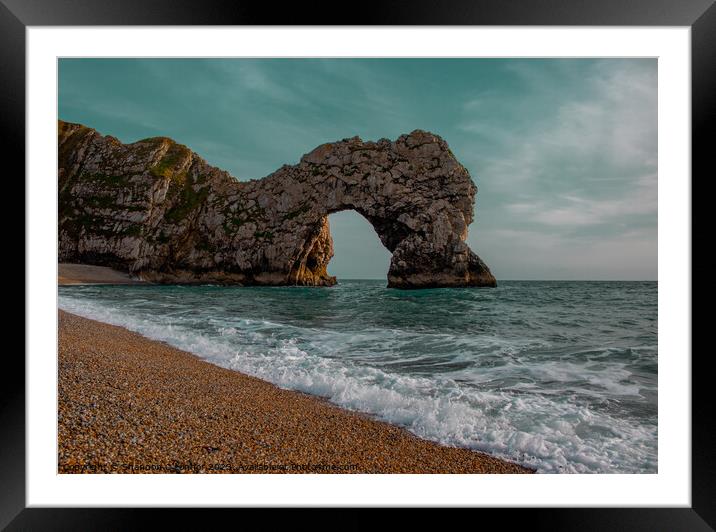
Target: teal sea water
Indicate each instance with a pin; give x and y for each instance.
(560, 376)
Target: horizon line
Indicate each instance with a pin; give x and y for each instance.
(551, 280)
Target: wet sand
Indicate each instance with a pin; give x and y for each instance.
(128, 404)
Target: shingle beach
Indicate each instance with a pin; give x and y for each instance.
(127, 404)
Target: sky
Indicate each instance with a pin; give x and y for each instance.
(563, 151)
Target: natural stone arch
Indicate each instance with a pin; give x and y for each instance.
(311, 266)
(168, 216)
(320, 253)
(358, 251)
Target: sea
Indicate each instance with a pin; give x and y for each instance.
(560, 376)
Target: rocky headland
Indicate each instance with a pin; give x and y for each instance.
(158, 211)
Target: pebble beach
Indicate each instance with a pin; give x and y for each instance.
(127, 404)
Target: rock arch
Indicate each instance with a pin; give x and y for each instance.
(156, 209)
(358, 250)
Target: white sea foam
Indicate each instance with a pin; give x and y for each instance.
(536, 427)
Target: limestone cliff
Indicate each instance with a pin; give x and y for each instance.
(157, 210)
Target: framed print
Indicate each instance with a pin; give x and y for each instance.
(431, 258)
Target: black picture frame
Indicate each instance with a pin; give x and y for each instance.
(699, 15)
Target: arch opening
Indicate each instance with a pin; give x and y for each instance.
(358, 252)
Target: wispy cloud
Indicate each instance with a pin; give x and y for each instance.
(566, 165)
(597, 142)
(543, 254)
(568, 211)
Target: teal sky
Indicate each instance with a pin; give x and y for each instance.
(563, 151)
